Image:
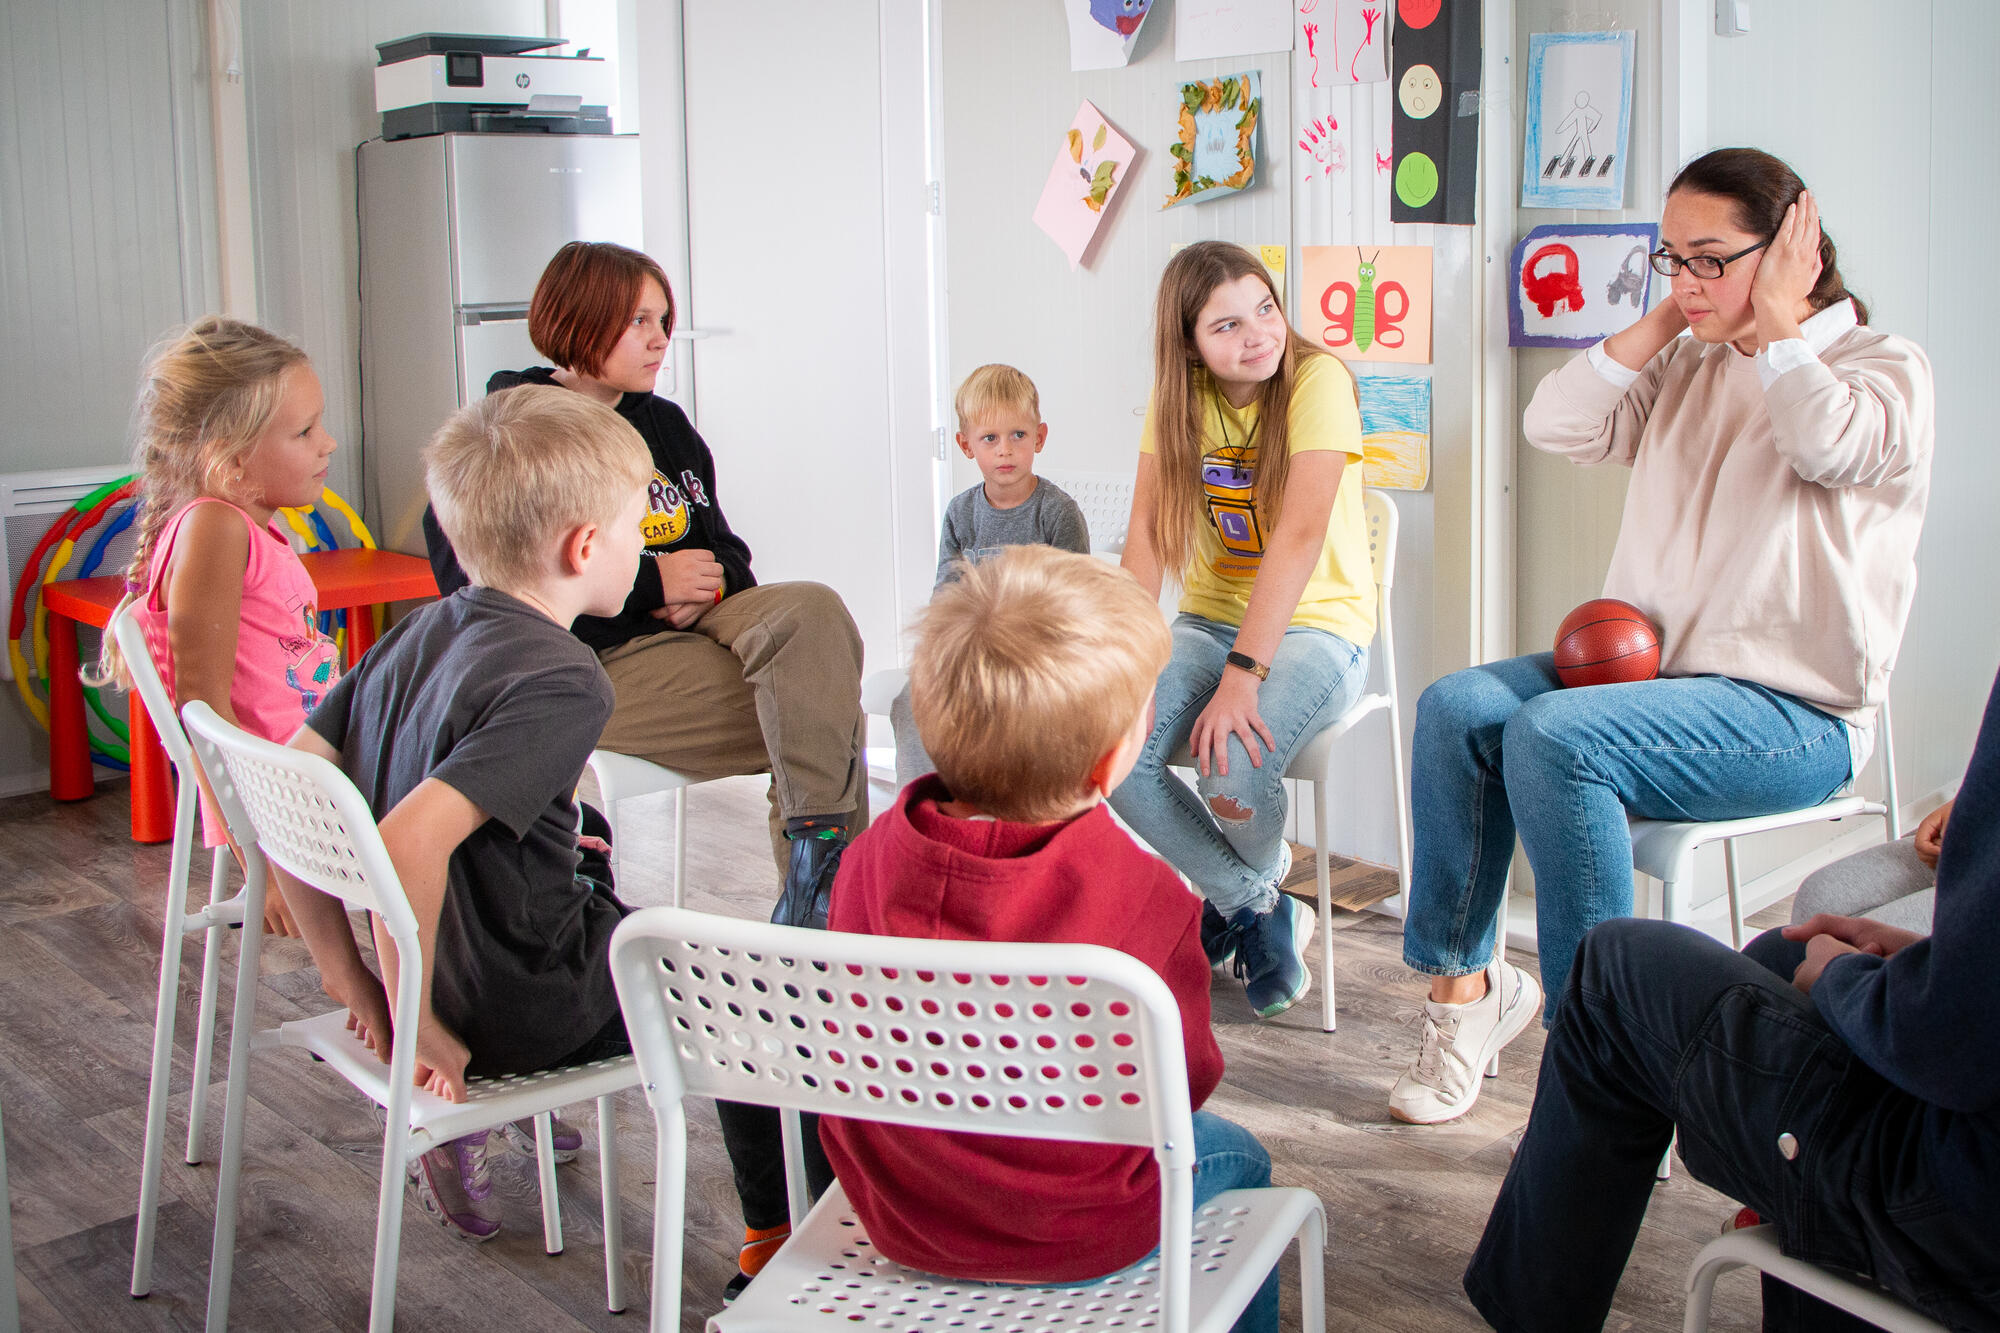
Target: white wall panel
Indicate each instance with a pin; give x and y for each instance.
(309, 81)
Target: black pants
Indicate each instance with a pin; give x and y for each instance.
(751, 1134)
(1661, 1028)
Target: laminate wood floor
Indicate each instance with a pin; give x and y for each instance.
(79, 957)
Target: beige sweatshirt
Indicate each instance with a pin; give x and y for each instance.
(1770, 529)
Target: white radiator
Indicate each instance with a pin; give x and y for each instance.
(29, 503)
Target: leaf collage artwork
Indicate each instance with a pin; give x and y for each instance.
(1215, 153)
(1090, 167)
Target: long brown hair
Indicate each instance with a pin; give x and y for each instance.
(207, 393)
(1761, 187)
(1178, 380)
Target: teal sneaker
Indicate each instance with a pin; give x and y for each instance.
(1271, 954)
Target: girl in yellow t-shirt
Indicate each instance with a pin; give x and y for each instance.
(1248, 493)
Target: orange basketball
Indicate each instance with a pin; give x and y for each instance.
(1606, 642)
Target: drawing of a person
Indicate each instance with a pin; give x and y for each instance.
(1578, 124)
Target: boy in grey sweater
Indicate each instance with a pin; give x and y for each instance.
(1000, 428)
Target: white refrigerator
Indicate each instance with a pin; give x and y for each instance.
(455, 229)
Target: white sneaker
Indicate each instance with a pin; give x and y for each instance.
(1459, 1040)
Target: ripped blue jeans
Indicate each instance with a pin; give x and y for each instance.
(1226, 834)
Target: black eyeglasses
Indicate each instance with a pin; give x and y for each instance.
(1702, 266)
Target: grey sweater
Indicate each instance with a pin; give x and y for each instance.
(974, 529)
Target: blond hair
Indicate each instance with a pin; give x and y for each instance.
(1190, 279)
(511, 474)
(991, 388)
(207, 393)
(1029, 667)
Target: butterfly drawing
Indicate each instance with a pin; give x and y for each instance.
(1368, 313)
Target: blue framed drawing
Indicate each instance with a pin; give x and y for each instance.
(1579, 120)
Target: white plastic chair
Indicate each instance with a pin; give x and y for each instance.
(211, 922)
(620, 777)
(1314, 762)
(915, 1032)
(305, 816)
(1106, 501)
(10, 1305)
(1757, 1247)
(1666, 850)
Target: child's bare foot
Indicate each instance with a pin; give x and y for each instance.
(367, 1011)
(441, 1060)
(278, 915)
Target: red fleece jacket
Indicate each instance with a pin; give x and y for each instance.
(978, 1205)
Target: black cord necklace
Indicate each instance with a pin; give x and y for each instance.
(1232, 452)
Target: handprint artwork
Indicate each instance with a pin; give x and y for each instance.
(1325, 147)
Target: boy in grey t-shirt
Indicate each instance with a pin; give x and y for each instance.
(1000, 428)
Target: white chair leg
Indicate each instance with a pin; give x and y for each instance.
(1500, 951)
(798, 1195)
(545, 1169)
(10, 1303)
(669, 1213)
(614, 1227)
(1325, 876)
(1312, 1273)
(1666, 1170)
(1670, 900)
(1735, 893)
(172, 937)
(204, 1027)
(1701, 1293)
(680, 844)
(243, 1017)
(388, 1213)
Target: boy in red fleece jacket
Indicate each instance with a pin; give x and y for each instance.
(1032, 685)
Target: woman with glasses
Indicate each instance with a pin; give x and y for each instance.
(1780, 460)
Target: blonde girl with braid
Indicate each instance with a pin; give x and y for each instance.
(227, 431)
(1249, 496)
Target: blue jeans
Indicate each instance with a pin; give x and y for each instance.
(1315, 677)
(1501, 747)
(1661, 1027)
(1226, 1157)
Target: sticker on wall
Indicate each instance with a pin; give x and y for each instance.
(1395, 430)
(1435, 71)
(1575, 283)
(1579, 120)
(1103, 32)
(1273, 257)
(1092, 164)
(1342, 42)
(1367, 303)
(1215, 153)
(1218, 29)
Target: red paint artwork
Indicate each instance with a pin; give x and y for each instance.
(1557, 286)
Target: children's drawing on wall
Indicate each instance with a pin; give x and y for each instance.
(1436, 72)
(1579, 119)
(1324, 147)
(1368, 303)
(1342, 41)
(1216, 29)
(1215, 151)
(1092, 165)
(1395, 430)
(1273, 257)
(1576, 283)
(1102, 32)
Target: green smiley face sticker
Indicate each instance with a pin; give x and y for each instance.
(1417, 180)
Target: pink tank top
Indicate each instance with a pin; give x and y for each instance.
(284, 665)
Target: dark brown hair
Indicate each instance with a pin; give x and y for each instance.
(583, 300)
(1762, 187)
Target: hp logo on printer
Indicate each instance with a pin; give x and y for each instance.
(520, 80)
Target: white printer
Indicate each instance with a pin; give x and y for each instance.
(444, 83)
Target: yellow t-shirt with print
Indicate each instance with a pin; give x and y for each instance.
(1229, 544)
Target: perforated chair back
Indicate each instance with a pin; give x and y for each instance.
(1050, 1041)
(304, 816)
(1379, 512)
(1106, 501)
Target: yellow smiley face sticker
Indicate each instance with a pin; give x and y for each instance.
(1420, 91)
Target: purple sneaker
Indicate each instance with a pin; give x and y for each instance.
(455, 1187)
(520, 1136)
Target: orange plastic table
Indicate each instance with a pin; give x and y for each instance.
(344, 579)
